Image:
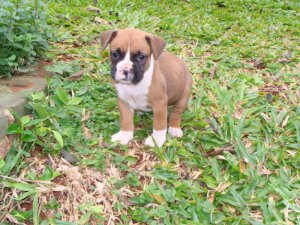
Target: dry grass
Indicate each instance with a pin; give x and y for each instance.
(76, 187)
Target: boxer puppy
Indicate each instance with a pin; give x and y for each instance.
(146, 79)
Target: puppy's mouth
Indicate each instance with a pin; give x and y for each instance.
(125, 78)
(124, 81)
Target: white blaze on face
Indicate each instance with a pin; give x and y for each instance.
(123, 66)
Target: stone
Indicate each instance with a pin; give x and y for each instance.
(13, 97)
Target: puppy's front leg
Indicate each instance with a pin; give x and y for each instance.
(160, 111)
(126, 116)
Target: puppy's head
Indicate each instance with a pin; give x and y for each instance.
(131, 53)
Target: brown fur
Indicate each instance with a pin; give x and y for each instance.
(171, 81)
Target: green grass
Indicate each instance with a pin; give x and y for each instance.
(238, 162)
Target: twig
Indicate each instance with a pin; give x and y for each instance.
(7, 208)
(26, 181)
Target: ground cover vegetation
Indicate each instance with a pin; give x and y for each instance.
(23, 34)
(238, 161)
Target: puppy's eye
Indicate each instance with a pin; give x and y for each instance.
(140, 57)
(115, 55)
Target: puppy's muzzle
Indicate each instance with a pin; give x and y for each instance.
(124, 71)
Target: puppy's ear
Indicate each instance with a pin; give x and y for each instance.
(106, 37)
(157, 45)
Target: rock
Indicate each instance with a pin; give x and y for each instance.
(106, 145)
(13, 98)
(269, 97)
(68, 156)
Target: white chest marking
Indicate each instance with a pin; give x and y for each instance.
(136, 95)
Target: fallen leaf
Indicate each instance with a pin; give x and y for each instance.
(126, 201)
(195, 174)
(12, 219)
(100, 187)
(219, 151)
(259, 64)
(106, 145)
(76, 76)
(213, 71)
(93, 9)
(285, 121)
(286, 57)
(264, 171)
(248, 144)
(211, 196)
(221, 157)
(88, 135)
(242, 166)
(101, 21)
(222, 187)
(85, 117)
(100, 140)
(59, 188)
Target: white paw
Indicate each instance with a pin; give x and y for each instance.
(175, 131)
(157, 137)
(123, 137)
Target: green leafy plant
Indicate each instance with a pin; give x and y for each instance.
(24, 34)
(64, 68)
(45, 129)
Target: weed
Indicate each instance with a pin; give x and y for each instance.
(24, 34)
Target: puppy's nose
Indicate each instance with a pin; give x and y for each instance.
(126, 73)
